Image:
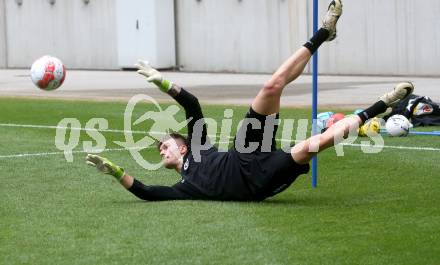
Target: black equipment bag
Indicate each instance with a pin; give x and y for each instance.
(420, 109)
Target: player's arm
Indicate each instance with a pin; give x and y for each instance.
(156, 193)
(144, 192)
(187, 100)
(154, 76)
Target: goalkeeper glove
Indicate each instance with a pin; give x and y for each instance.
(370, 128)
(153, 75)
(106, 166)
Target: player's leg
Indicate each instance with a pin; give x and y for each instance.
(267, 100)
(303, 152)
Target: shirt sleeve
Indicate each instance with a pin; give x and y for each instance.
(193, 112)
(156, 193)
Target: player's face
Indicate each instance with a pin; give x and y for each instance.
(171, 153)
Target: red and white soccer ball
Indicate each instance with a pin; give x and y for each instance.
(48, 73)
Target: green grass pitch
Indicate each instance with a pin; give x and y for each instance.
(368, 208)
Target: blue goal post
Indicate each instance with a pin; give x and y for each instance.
(315, 95)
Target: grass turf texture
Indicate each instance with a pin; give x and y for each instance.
(368, 209)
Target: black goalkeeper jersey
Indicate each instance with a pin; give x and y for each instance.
(227, 175)
(217, 175)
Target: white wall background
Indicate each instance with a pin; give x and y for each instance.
(380, 37)
(145, 30)
(385, 37)
(84, 36)
(2, 35)
(238, 36)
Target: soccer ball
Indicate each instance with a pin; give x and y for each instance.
(48, 73)
(334, 119)
(357, 111)
(398, 125)
(322, 119)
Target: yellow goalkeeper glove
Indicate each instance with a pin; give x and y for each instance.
(152, 75)
(105, 166)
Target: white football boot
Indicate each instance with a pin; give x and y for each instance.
(400, 92)
(334, 11)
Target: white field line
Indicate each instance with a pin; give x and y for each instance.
(416, 148)
(62, 153)
(61, 127)
(395, 147)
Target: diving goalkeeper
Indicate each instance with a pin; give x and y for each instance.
(236, 174)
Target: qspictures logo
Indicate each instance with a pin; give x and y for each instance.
(164, 121)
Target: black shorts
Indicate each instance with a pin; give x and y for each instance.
(267, 170)
(257, 129)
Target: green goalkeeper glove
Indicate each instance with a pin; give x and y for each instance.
(106, 166)
(153, 75)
